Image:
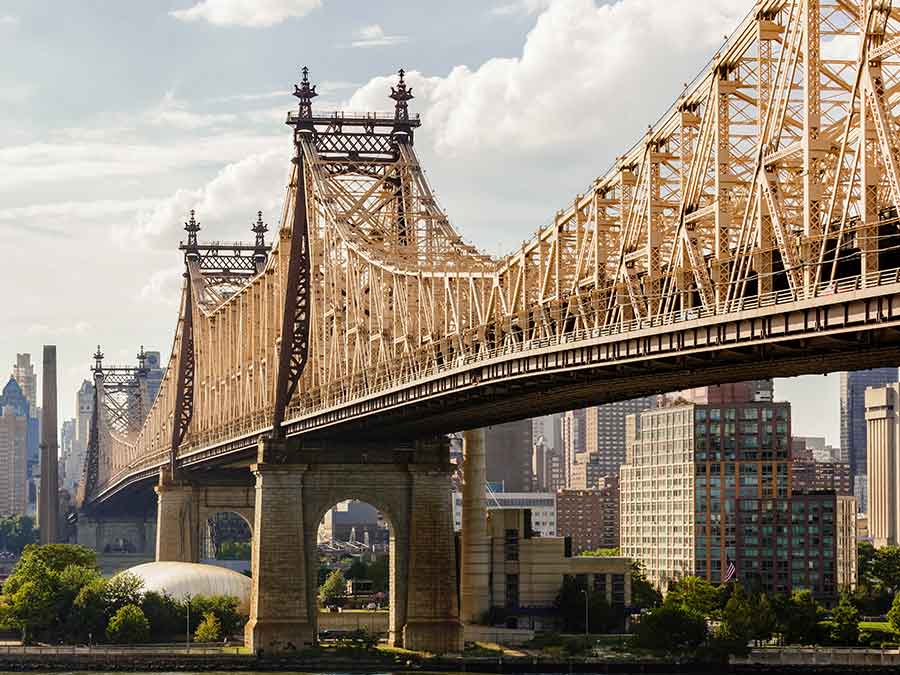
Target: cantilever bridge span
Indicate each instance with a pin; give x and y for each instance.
(754, 230)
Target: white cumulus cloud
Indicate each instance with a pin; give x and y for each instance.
(225, 206)
(589, 75)
(374, 36)
(249, 13)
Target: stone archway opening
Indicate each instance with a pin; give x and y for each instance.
(226, 537)
(355, 572)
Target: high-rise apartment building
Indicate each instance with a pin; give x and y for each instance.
(707, 486)
(508, 450)
(547, 469)
(155, 373)
(573, 439)
(66, 447)
(853, 422)
(605, 432)
(14, 409)
(590, 518)
(72, 465)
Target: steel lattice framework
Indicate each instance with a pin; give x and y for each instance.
(774, 178)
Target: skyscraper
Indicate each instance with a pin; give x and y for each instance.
(605, 433)
(853, 422)
(13, 450)
(74, 461)
(23, 372)
(508, 452)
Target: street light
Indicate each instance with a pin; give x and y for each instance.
(586, 619)
(187, 637)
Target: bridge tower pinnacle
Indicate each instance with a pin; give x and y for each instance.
(402, 95)
(259, 229)
(97, 368)
(192, 227)
(305, 92)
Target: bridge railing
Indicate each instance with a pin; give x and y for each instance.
(311, 403)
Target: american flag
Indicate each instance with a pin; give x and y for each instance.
(730, 571)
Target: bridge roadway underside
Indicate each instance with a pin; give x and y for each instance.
(848, 331)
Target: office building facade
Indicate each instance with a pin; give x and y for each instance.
(853, 387)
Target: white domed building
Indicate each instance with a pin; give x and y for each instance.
(179, 579)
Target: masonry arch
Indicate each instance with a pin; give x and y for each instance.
(226, 534)
(385, 489)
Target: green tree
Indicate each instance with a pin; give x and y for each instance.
(865, 556)
(764, 620)
(16, 532)
(224, 607)
(380, 573)
(32, 608)
(357, 570)
(163, 613)
(671, 627)
(893, 616)
(644, 594)
(334, 588)
(87, 618)
(799, 618)
(123, 589)
(738, 615)
(885, 567)
(570, 603)
(128, 626)
(697, 595)
(209, 630)
(845, 622)
(58, 557)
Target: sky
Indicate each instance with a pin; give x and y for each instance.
(116, 118)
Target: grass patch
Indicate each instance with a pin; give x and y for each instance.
(876, 626)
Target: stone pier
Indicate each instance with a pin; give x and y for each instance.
(409, 485)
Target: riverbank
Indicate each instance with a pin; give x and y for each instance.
(363, 662)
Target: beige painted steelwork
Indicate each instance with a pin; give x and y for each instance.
(774, 177)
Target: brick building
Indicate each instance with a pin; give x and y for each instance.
(590, 518)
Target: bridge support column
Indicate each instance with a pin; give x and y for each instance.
(475, 549)
(279, 615)
(432, 615)
(177, 521)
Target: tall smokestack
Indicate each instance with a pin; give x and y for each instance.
(48, 507)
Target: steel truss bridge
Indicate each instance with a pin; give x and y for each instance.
(752, 231)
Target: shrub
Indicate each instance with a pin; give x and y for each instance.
(128, 626)
(209, 630)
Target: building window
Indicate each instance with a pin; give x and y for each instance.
(600, 584)
(511, 546)
(512, 590)
(618, 589)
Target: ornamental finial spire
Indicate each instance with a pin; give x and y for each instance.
(142, 358)
(259, 229)
(306, 94)
(98, 360)
(401, 94)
